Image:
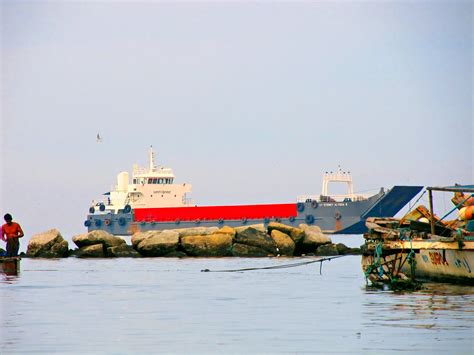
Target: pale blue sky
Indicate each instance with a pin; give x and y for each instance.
(249, 102)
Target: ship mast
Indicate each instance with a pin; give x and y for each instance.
(152, 160)
(339, 176)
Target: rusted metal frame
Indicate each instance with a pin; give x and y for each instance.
(451, 189)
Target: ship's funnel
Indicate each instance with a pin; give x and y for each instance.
(122, 181)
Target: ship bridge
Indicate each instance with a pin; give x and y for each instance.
(151, 186)
(340, 176)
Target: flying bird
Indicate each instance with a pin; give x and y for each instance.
(99, 138)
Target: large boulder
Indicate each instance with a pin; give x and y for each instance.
(297, 234)
(91, 251)
(248, 251)
(49, 244)
(313, 238)
(139, 236)
(284, 243)
(260, 227)
(256, 238)
(97, 237)
(317, 234)
(160, 244)
(280, 227)
(122, 251)
(217, 244)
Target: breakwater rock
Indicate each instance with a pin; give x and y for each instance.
(248, 241)
(49, 244)
(99, 244)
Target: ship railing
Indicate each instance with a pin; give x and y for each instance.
(188, 201)
(332, 198)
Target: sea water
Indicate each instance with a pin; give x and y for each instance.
(168, 305)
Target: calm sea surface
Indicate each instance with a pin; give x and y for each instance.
(169, 306)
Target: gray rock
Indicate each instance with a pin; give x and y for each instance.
(91, 251)
(96, 237)
(139, 236)
(123, 251)
(159, 245)
(247, 251)
(260, 227)
(256, 238)
(217, 244)
(342, 248)
(311, 228)
(327, 250)
(49, 244)
(314, 239)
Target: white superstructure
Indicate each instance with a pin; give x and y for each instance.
(150, 187)
(337, 177)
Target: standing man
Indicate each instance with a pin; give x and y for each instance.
(11, 232)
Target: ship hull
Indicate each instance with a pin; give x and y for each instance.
(332, 217)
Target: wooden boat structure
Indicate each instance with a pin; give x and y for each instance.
(10, 265)
(398, 253)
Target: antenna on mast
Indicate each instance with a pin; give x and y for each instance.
(152, 159)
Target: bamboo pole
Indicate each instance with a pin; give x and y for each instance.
(432, 220)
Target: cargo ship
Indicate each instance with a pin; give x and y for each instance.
(152, 200)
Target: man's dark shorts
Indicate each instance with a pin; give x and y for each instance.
(13, 245)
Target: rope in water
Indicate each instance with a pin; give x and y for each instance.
(285, 266)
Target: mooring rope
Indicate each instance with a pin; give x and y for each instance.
(414, 204)
(285, 266)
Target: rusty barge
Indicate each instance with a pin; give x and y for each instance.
(422, 246)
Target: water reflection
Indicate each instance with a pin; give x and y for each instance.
(437, 306)
(9, 278)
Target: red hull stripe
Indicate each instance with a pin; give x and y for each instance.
(215, 212)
